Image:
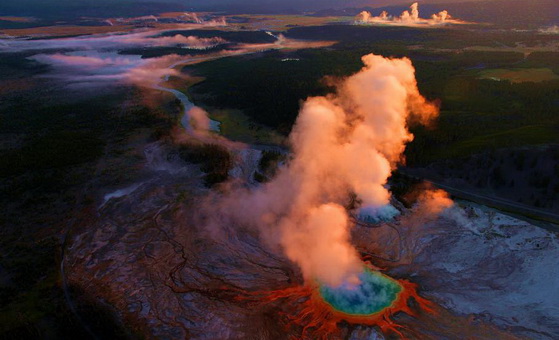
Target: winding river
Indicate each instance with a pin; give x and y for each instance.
(186, 104)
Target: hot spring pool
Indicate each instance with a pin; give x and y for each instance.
(375, 292)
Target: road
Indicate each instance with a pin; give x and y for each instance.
(551, 218)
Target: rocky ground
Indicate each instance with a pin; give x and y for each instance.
(144, 253)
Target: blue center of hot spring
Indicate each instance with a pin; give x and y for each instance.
(374, 293)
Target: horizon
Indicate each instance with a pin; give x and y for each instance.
(267, 6)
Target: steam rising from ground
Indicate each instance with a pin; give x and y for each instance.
(112, 42)
(95, 60)
(407, 18)
(550, 30)
(93, 69)
(188, 17)
(345, 143)
(432, 202)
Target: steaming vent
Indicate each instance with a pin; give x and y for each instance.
(372, 214)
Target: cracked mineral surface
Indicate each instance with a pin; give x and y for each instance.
(167, 275)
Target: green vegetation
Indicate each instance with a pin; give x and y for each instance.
(533, 134)
(482, 114)
(215, 160)
(476, 114)
(543, 59)
(265, 88)
(268, 165)
(237, 126)
(520, 75)
(270, 160)
(55, 150)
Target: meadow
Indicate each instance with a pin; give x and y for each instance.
(476, 113)
(534, 75)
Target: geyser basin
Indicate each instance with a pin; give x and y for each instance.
(319, 309)
(375, 293)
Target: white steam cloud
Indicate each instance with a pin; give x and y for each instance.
(195, 18)
(345, 143)
(550, 30)
(185, 17)
(112, 42)
(103, 68)
(407, 18)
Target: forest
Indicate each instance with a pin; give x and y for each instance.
(479, 115)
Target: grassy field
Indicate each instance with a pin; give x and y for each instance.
(545, 45)
(182, 83)
(75, 30)
(16, 19)
(476, 113)
(62, 31)
(253, 22)
(525, 135)
(535, 75)
(238, 127)
(285, 22)
(234, 125)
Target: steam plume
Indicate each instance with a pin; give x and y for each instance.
(343, 143)
(407, 18)
(103, 68)
(550, 30)
(192, 17)
(95, 60)
(113, 42)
